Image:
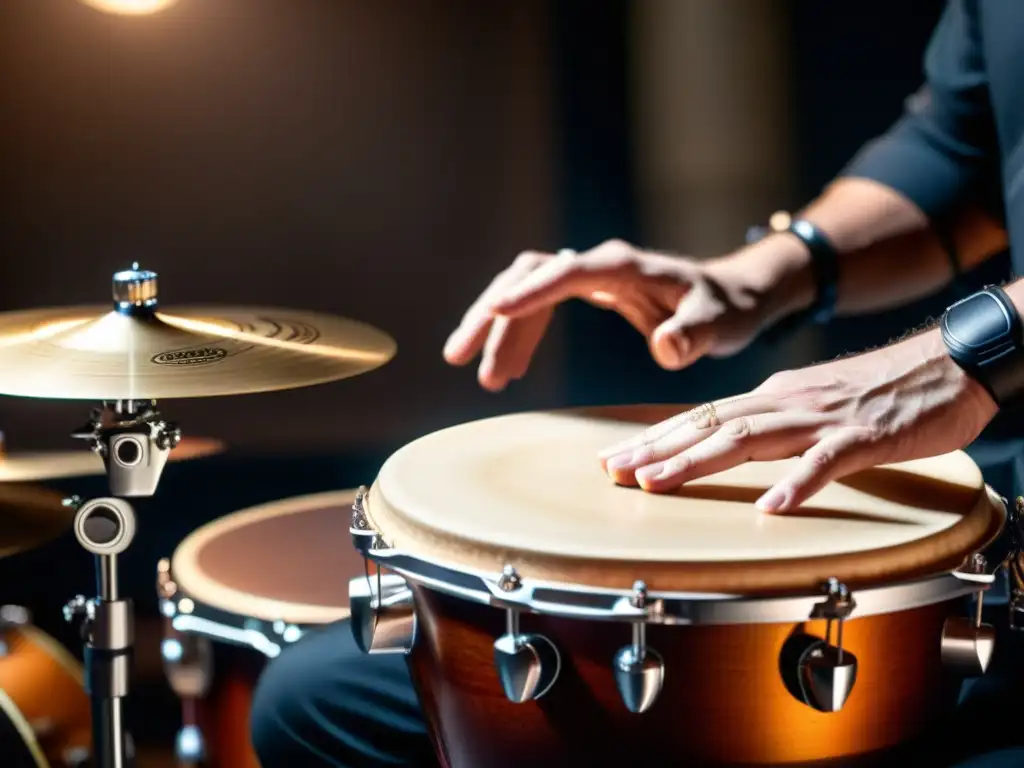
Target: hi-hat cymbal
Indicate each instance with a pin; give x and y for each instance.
(137, 351)
(53, 465)
(30, 516)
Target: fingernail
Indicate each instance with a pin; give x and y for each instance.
(624, 460)
(650, 472)
(772, 501)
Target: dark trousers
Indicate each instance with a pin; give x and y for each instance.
(323, 703)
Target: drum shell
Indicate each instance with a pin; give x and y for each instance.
(723, 702)
(222, 715)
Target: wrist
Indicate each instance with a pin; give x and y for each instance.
(930, 348)
(777, 269)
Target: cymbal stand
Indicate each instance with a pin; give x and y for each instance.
(133, 442)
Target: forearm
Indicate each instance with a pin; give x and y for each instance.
(888, 252)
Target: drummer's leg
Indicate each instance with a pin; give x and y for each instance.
(324, 703)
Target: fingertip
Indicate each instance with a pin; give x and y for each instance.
(491, 381)
(774, 500)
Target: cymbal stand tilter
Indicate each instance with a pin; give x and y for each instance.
(133, 442)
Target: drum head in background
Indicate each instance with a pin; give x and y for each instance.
(528, 490)
(289, 560)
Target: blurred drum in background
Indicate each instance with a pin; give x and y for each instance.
(551, 617)
(234, 594)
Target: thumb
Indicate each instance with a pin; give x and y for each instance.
(690, 333)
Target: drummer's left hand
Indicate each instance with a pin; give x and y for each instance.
(902, 402)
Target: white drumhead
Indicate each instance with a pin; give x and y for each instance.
(531, 483)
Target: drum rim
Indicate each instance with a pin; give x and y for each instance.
(583, 601)
(17, 719)
(574, 601)
(201, 590)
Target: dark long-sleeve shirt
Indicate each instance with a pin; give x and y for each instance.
(961, 137)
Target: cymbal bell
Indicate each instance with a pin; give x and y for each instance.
(136, 350)
(30, 516)
(54, 465)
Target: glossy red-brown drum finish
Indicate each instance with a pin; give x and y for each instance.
(723, 702)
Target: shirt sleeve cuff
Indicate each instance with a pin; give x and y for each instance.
(906, 160)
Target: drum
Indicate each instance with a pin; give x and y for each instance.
(553, 618)
(46, 685)
(236, 592)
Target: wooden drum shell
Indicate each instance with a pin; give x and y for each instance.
(723, 703)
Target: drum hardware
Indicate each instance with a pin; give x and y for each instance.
(968, 644)
(134, 443)
(639, 669)
(527, 664)
(188, 667)
(11, 617)
(815, 671)
(673, 608)
(106, 527)
(383, 613)
(382, 606)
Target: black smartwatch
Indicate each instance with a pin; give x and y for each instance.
(983, 336)
(824, 266)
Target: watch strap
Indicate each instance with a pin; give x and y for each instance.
(825, 266)
(983, 334)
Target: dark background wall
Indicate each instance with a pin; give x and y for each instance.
(380, 160)
(376, 160)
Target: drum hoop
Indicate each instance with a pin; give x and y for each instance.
(567, 600)
(194, 617)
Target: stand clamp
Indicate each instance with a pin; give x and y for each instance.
(134, 442)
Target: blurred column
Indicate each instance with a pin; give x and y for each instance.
(711, 112)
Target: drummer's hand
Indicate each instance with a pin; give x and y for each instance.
(684, 308)
(902, 402)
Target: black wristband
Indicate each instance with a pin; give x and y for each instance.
(983, 335)
(825, 266)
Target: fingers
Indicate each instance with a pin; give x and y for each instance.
(839, 454)
(570, 275)
(658, 443)
(509, 348)
(467, 340)
(689, 334)
(760, 437)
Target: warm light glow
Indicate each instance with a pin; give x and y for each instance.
(130, 7)
(780, 221)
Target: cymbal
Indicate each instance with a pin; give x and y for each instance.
(136, 350)
(29, 516)
(53, 465)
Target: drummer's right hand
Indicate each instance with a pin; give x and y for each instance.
(685, 308)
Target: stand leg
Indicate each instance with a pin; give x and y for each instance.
(106, 527)
(107, 681)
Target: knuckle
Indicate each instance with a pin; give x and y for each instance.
(614, 253)
(822, 459)
(778, 380)
(528, 259)
(738, 429)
